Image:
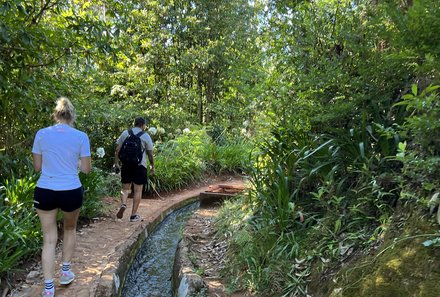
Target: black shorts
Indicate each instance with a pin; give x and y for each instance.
(67, 201)
(134, 174)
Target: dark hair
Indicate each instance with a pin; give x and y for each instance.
(139, 122)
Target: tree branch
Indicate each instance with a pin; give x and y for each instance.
(43, 64)
(47, 5)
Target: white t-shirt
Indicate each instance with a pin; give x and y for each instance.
(147, 143)
(61, 147)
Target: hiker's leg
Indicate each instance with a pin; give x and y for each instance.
(127, 175)
(126, 190)
(50, 236)
(69, 236)
(136, 198)
(139, 180)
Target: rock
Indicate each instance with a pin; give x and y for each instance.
(33, 277)
(190, 285)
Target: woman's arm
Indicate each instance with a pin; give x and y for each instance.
(37, 159)
(86, 164)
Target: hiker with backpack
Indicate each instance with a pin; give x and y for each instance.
(134, 145)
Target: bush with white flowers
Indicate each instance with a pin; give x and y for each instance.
(152, 131)
(100, 152)
(160, 130)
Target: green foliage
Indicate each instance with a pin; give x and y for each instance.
(20, 230)
(94, 188)
(421, 125)
(14, 164)
(183, 160)
(172, 62)
(319, 193)
(340, 96)
(232, 157)
(397, 267)
(327, 175)
(420, 152)
(19, 224)
(180, 162)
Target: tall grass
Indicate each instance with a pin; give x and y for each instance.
(311, 198)
(183, 161)
(180, 162)
(229, 157)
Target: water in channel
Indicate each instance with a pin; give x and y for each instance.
(151, 271)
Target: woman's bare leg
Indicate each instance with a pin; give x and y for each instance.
(48, 219)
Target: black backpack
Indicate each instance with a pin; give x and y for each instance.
(131, 150)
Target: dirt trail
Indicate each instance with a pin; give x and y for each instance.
(98, 241)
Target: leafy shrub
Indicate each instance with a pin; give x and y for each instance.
(97, 184)
(233, 157)
(20, 229)
(14, 163)
(183, 160)
(180, 162)
(420, 153)
(308, 191)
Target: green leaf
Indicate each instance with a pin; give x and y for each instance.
(429, 89)
(337, 226)
(402, 146)
(414, 89)
(362, 149)
(21, 10)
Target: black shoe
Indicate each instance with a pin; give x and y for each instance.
(120, 213)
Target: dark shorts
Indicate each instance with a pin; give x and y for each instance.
(67, 201)
(134, 174)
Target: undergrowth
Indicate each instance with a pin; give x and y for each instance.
(318, 200)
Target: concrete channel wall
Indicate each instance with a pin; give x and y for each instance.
(184, 280)
(113, 276)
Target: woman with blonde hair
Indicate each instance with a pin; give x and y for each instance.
(58, 151)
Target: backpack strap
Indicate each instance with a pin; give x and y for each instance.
(139, 135)
(130, 132)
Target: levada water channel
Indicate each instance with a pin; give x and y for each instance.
(152, 268)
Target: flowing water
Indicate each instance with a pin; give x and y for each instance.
(151, 271)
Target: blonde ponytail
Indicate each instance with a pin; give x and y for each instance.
(64, 111)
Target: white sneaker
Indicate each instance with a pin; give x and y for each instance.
(47, 293)
(66, 277)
